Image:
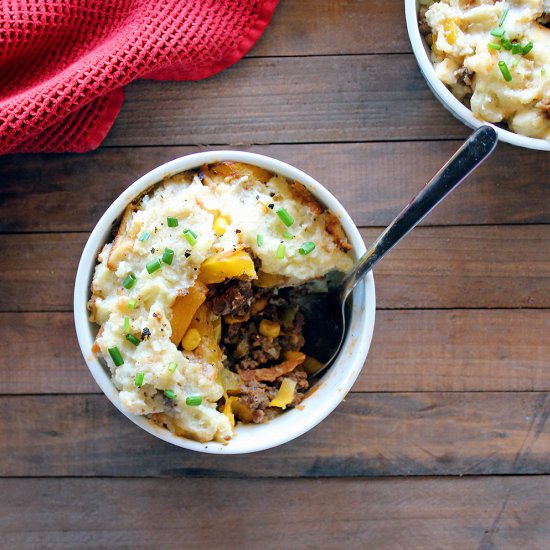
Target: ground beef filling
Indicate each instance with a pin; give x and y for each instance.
(246, 350)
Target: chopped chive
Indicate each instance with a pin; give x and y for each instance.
(517, 48)
(144, 236)
(505, 71)
(543, 71)
(130, 281)
(126, 324)
(306, 248)
(168, 256)
(170, 394)
(506, 43)
(190, 236)
(527, 48)
(499, 33)
(153, 266)
(494, 46)
(260, 239)
(285, 217)
(193, 400)
(132, 303)
(133, 340)
(281, 249)
(172, 366)
(172, 222)
(138, 380)
(116, 356)
(503, 17)
(288, 235)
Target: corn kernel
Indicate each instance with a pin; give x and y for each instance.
(450, 30)
(269, 328)
(292, 355)
(220, 225)
(191, 339)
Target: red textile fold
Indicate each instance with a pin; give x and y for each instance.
(64, 63)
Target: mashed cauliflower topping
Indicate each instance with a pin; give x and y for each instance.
(495, 57)
(221, 210)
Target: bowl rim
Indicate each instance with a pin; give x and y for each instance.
(357, 342)
(446, 97)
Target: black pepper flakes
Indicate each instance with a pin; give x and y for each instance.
(257, 197)
(272, 206)
(272, 194)
(152, 250)
(187, 253)
(237, 230)
(145, 333)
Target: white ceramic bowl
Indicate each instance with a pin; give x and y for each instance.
(333, 386)
(450, 102)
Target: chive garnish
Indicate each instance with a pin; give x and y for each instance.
(288, 235)
(153, 266)
(130, 281)
(503, 17)
(144, 236)
(506, 43)
(126, 324)
(494, 46)
(543, 71)
(172, 366)
(193, 400)
(190, 236)
(133, 340)
(168, 256)
(138, 380)
(306, 248)
(260, 239)
(116, 356)
(285, 217)
(499, 33)
(170, 394)
(281, 249)
(517, 48)
(505, 71)
(132, 303)
(527, 48)
(172, 222)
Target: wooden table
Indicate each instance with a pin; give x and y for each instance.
(444, 441)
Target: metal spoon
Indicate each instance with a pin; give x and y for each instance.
(325, 312)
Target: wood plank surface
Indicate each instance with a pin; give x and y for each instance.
(412, 350)
(321, 99)
(396, 514)
(349, 27)
(372, 180)
(434, 268)
(368, 435)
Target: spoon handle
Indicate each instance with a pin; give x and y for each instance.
(472, 153)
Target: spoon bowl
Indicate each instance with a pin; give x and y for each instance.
(325, 312)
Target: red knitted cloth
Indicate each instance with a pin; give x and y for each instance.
(63, 63)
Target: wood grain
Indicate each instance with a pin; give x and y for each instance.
(338, 27)
(372, 180)
(434, 268)
(396, 514)
(412, 350)
(368, 435)
(321, 99)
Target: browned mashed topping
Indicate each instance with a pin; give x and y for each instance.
(212, 333)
